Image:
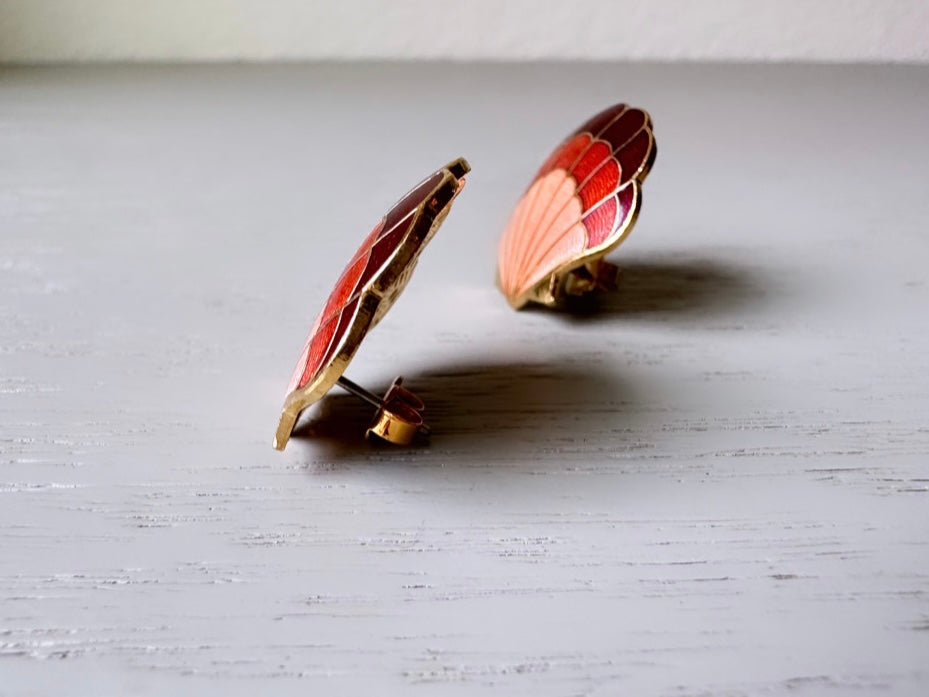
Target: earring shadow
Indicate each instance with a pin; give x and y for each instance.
(488, 411)
(653, 287)
(493, 411)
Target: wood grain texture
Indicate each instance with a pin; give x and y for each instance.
(713, 482)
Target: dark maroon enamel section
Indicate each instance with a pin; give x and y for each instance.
(383, 249)
(408, 203)
(625, 128)
(597, 123)
(634, 155)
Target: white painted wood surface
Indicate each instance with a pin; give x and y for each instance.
(870, 31)
(714, 484)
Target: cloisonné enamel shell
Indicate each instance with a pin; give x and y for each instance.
(581, 204)
(372, 280)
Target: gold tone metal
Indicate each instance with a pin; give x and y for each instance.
(399, 419)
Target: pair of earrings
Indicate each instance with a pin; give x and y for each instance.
(581, 204)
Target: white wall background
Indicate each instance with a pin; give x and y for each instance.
(221, 30)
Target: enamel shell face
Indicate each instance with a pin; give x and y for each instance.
(372, 280)
(582, 202)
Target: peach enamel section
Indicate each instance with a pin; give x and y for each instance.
(544, 232)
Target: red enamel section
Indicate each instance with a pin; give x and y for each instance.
(345, 286)
(337, 315)
(345, 318)
(368, 241)
(593, 158)
(565, 155)
(326, 323)
(316, 348)
(601, 185)
(326, 334)
(600, 222)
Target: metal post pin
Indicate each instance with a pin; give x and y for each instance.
(399, 416)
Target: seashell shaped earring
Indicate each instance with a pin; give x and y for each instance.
(581, 204)
(369, 285)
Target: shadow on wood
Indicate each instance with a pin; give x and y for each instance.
(669, 286)
(490, 411)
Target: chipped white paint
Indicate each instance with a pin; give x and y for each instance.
(715, 484)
